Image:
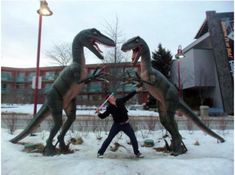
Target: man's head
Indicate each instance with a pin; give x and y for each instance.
(111, 99)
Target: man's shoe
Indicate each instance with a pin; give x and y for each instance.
(100, 155)
(139, 155)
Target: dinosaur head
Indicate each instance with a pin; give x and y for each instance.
(90, 38)
(137, 45)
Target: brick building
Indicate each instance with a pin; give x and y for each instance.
(16, 84)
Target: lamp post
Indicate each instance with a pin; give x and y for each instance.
(43, 11)
(178, 56)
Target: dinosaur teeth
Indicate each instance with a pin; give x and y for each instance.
(97, 47)
(135, 54)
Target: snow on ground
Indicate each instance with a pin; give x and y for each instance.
(81, 110)
(209, 158)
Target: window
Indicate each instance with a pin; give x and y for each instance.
(20, 77)
(19, 86)
(84, 97)
(50, 76)
(131, 70)
(4, 86)
(84, 89)
(30, 76)
(95, 97)
(6, 76)
(118, 72)
(95, 86)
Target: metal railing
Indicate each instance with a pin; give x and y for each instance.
(91, 123)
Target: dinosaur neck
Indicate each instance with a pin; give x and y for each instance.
(146, 61)
(78, 52)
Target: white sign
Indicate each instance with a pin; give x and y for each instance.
(39, 82)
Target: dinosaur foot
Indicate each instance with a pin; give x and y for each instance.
(165, 149)
(63, 147)
(49, 151)
(178, 149)
(161, 149)
(178, 152)
(66, 151)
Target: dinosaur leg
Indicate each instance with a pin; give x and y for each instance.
(50, 148)
(177, 145)
(71, 114)
(165, 122)
(55, 106)
(168, 121)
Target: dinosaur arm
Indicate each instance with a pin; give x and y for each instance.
(96, 75)
(85, 80)
(138, 81)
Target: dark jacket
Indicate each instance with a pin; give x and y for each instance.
(118, 112)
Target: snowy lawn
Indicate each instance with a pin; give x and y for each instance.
(209, 158)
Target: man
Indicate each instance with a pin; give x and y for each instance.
(116, 107)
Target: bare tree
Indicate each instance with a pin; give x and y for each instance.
(61, 54)
(10, 121)
(114, 55)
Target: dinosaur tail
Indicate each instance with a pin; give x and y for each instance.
(191, 115)
(34, 123)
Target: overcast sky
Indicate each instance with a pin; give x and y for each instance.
(168, 22)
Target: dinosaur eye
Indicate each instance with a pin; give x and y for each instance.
(95, 32)
(137, 39)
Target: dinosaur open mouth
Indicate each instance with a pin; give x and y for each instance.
(135, 54)
(96, 46)
(95, 43)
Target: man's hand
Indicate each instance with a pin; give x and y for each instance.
(138, 89)
(97, 110)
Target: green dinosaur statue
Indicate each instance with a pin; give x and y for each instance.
(165, 92)
(63, 92)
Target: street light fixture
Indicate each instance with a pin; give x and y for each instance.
(180, 53)
(178, 56)
(43, 11)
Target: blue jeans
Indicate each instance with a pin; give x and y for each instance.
(115, 129)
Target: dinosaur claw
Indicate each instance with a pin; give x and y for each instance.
(95, 70)
(102, 79)
(49, 150)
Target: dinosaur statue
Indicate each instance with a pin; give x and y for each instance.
(66, 87)
(165, 92)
